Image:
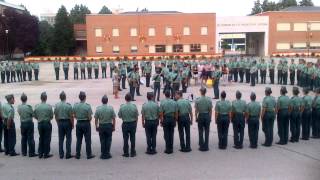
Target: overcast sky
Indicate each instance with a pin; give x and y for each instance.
(221, 7)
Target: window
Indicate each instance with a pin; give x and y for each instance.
(169, 49)
(133, 32)
(300, 27)
(115, 32)
(299, 45)
(204, 48)
(152, 49)
(283, 46)
(98, 32)
(315, 26)
(195, 48)
(186, 48)
(98, 49)
(160, 48)
(152, 31)
(177, 48)
(315, 45)
(168, 31)
(186, 31)
(116, 49)
(283, 27)
(134, 49)
(204, 31)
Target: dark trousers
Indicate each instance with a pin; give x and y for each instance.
(279, 76)
(248, 75)
(151, 129)
(104, 72)
(24, 75)
(299, 77)
(316, 123)
(271, 74)
(129, 131)
(83, 73)
(138, 90)
(267, 127)
(285, 78)
(36, 74)
(10, 139)
(156, 90)
(105, 134)
(75, 74)
(132, 91)
(13, 76)
(89, 73)
(204, 121)
(295, 125)
(184, 128)
(292, 77)
(168, 130)
(30, 75)
(83, 129)
(175, 88)
(253, 130)
(148, 76)
(241, 74)
(306, 122)
(216, 90)
(111, 72)
(263, 75)
(96, 73)
(238, 123)
(45, 130)
(3, 77)
(235, 75)
(123, 81)
(184, 85)
(57, 73)
(253, 79)
(66, 73)
(19, 75)
(8, 76)
(27, 138)
(64, 131)
(283, 125)
(223, 127)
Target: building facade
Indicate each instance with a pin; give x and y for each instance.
(49, 17)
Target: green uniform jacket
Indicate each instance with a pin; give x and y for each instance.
(128, 112)
(105, 114)
(43, 112)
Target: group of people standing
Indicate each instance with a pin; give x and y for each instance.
(18, 72)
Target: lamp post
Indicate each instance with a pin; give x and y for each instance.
(7, 39)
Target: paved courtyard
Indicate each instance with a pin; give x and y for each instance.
(293, 161)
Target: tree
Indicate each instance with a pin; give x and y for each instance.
(63, 36)
(287, 3)
(78, 14)
(105, 10)
(269, 6)
(44, 44)
(256, 8)
(306, 3)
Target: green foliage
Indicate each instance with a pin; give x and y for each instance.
(269, 6)
(105, 10)
(306, 3)
(44, 45)
(287, 3)
(256, 8)
(78, 14)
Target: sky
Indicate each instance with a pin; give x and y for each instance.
(221, 7)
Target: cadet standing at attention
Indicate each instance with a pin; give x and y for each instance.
(89, 69)
(216, 77)
(7, 70)
(176, 79)
(203, 113)
(168, 118)
(128, 112)
(282, 110)
(307, 101)
(295, 110)
(105, 121)
(123, 75)
(150, 121)
(292, 70)
(13, 72)
(18, 71)
(223, 112)
(157, 84)
(83, 70)
(27, 127)
(83, 114)
(2, 72)
(238, 120)
(76, 70)
(285, 72)
(64, 116)
(279, 68)
(316, 116)
(56, 65)
(104, 68)
(66, 69)
(44, 114)
(112, 66)
(185, 120)
(263, 71)
(36, 68)
(24, 71)
(148, 71)
(253, 73)
(271, 67)
(9, 126)
(96, 70)
(29, 70)
(268, 116)
(253, 112)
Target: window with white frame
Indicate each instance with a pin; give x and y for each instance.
(116, 49)
(186, 31)
(152, 49)
(315, 26)
(204, 48)
(300, 27)
(133, 32)
(99, 49)
(115, 32)
(98, 32)
(299, 45)
(204, 31)
(315, 45)
(283, 27)
(152, 31)
(283, 46)
(134, 49)
(168, 48)
(168, 31)
(186, 48)
(195, 48)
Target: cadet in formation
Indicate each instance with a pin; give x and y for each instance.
(66, 69)
(268, 115)
(316, 116)
(96, 70)
(157, 84)
(216, 78)
(282, 110)
(307, 102)
(76, 71)
(83, 70)
(56, 65)
(104, 69)
(89, 69)
(238, 120)
(253, 112)
(295, 109)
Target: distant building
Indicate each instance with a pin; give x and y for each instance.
(4, 5)
(49, 17)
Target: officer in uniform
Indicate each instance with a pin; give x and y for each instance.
(216, 77)
(247, 69)
(105, 121)
(185, 120)
(112, 66)
(285, 72)
(123, 74)
(56, 65)
(7, 70)
(253, 112)
(83, 114)
(129, 114)
(36, 69)
(27, 127)
(241, 65)
(66, 69)
(133, 82)
(157, 84)
(271, 67)
(292, 70)
(150, 121)
(89, 69)
(2, 73)
(44, 114)
(96, 70)
(223, 115)
(184, 78)
(168, 118)
(307, 102)
(13, 72)
(253, 73)
(268, 116)
(148, 71)
(238, 120)
(9, 126)
(295, 110)
(282, 110)
(299, 71)
(18, 71)
(24, 71)
(63, 113)
(176, 79)
(75, 70)
(104, 68)
(279, 68)
(316, 115)
(139, 81)
(83, 70)
(263, 71)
